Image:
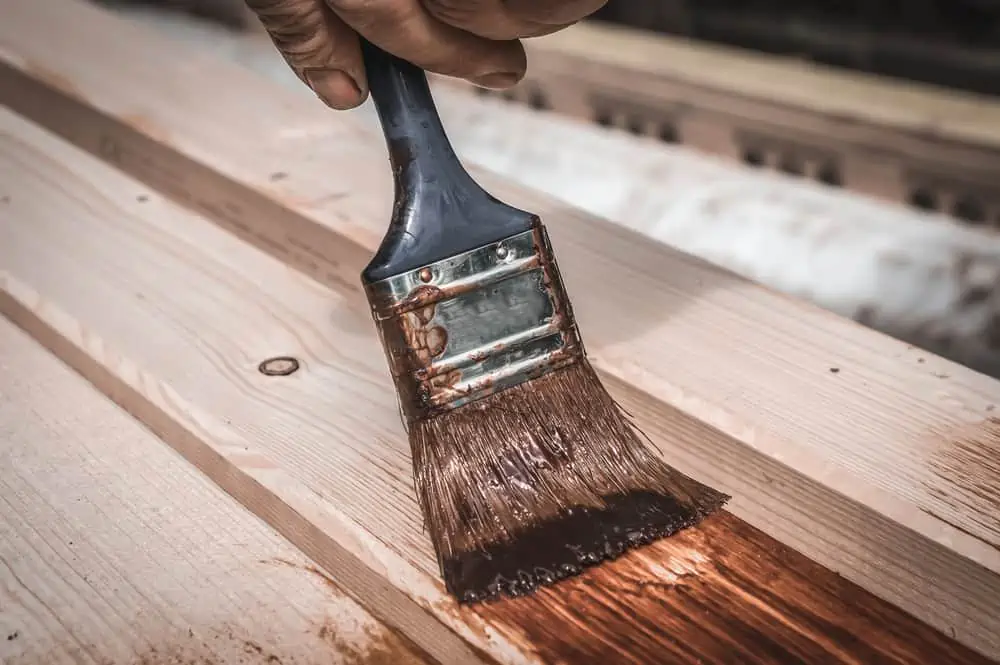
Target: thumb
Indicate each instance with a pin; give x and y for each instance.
(322, 50)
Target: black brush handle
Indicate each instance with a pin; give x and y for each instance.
(439, 210)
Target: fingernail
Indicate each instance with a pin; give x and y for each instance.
(498, 80)
(334, 87)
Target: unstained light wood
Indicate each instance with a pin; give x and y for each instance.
(114, 550)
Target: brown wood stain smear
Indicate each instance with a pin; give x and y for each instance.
(720, 592)
(381, 646)
(386, 647)
(229, 646)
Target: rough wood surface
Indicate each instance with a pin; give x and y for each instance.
(172, 316)
(819, 425)
(115, 551)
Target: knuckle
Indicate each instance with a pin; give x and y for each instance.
(299, 29)
(484, 19)
(351, 6)
(373, 12)
(457, 13)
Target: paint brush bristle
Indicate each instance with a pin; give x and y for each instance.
(526, 469)
(536, 483)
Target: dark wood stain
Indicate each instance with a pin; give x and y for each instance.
(720, 592)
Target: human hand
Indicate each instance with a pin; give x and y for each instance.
(477, 40)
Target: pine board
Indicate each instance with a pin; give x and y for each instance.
(172, 316)
(114, 550)
(800, 469)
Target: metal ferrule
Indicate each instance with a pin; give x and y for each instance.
(474, 324)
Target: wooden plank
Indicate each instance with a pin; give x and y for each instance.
(116, 551)
(189, 420)
(883, 265)
(171, 316)
(905, 49)
(312, 189)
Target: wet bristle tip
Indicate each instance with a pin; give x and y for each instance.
(538, 482)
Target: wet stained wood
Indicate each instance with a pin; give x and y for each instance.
(721, 592)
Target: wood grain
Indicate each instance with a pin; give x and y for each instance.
(289, 448)
(115, 551)
(808, 453)
(171, 316)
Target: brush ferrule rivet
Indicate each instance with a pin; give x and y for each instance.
(425, 275)
(502, 252)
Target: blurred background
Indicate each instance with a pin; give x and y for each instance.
(953, 43)
(843, 152)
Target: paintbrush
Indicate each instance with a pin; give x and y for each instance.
(526, 469)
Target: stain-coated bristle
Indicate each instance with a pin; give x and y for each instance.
(536, 483)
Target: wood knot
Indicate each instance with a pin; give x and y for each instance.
(279, 366)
